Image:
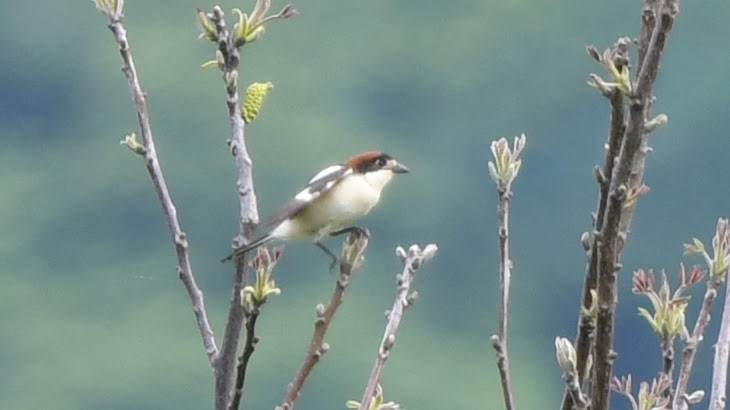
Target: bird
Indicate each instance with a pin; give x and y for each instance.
(333, 199)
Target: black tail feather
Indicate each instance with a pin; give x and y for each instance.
(251, 246)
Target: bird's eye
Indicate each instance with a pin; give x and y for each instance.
(380, 162)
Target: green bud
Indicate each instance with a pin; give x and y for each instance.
(131, 142)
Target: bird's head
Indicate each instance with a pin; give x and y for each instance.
(377, 167)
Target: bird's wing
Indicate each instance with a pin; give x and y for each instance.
(317, 186)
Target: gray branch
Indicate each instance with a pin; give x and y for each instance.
(225, 366)
(352, 257)
(718, 398)
(692, 344)
(148, 150)
(412, 261)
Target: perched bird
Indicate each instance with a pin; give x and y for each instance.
(331, 201)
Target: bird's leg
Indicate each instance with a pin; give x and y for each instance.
(359, 229)
(329, 253)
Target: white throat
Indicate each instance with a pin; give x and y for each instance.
(379, 179)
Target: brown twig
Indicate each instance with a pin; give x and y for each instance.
(586, 325)
(114, 10)
(248, 348)
(692, 344)
(351, 259)
(254, 297)
(718, 397)
(719, 264)
(623, 185)
(503, 172)
(667, 358)
(499, 341)
(667, 347)
(412, 261)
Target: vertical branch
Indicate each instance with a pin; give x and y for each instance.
(617, 217)
(114, 10)
(607, 243)
(648, 22)
(667, 357)
(718, 398)
(248, 218)
(616, 130)
(248, 348)
(412, 261)
(499, 341)
(254, 297)
(247, 29)
(586, 324)
(621, 184)
(503, 172)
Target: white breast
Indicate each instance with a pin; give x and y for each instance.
(347, 201)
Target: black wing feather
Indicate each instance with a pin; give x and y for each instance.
(313, 190)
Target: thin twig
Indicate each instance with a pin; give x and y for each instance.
(412, 261)
(154, 169)
(691, 345)
(248, 349)
(503, 171)
(574, 389)
(499, 341)
(254, 297)
(648, 21)
(718, 398)
(351, 259)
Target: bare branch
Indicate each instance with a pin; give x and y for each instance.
(254, 297)
(718, 264)
(718, 397)
(352, 257)
(621, 184)
(586, 325)
(148, 150)
(412, 261)
(692, 344)
(243, 361)
(503, 171)
(229, 54)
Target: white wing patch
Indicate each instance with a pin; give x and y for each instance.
(333, 169)
(307, 195)
(322, 182)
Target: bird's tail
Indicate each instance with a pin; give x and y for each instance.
(253, 245)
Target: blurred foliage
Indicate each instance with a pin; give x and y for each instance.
(93, 313)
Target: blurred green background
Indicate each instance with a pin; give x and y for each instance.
(93, 315)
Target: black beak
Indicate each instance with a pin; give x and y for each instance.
(399, 168)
